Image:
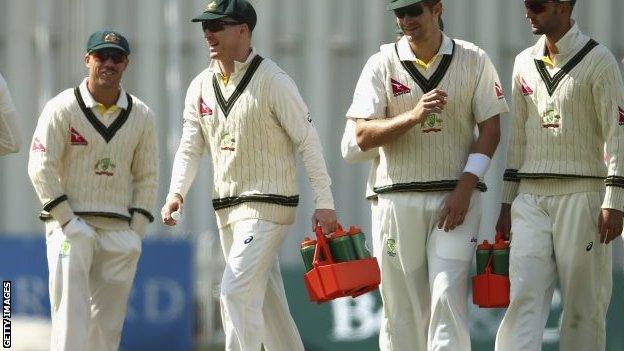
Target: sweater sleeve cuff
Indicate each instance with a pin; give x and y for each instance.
(139, 223)
(510, 191)
(614, 198)
(62, 212)
(173, 194)
(325, 202)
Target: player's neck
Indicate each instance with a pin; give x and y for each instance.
(555, 35)
(104, 95)
(428, 47)
(227, 65)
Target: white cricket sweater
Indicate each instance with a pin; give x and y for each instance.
(252, 127)
(352, 153)
(80, 166)
(563, 116)
(430, 156)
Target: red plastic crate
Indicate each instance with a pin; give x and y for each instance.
(328, 280)
(490, 290)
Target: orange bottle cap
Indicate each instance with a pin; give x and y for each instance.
(307, 242)
(501, 245)
(484, 246)
(338, 233)
(354, 230)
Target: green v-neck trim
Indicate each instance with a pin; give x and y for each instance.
(106, 133)
(553, 81)
(427, 85)
(227, 105)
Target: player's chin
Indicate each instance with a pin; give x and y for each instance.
(415, 34)
(215, 54)
(537, 30)
(108, 78)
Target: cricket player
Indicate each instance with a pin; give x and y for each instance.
(568, 99)
(418, 101)
(248, 113)
(94, 165)
(10, 135)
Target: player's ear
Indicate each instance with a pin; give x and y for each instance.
(437, 8)
(87, 58)
(245, 28)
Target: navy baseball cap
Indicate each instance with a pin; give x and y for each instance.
(103, 39)
(240, 10)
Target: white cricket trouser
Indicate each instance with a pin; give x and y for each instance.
(424, 272)
(90, 275)
(557, 237)
(384, 343)
(254, 309)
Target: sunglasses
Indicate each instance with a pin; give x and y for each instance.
(412, 11)
(217, 25)
(537, 6)
(115, 55)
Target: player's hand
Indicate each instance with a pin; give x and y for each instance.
(174, 203)
(457, 203)
(431, 102)
(503, 225)
(326, 219)
(609, 224)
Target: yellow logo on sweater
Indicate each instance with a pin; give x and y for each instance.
(550, 118)
(228, 143)
(105, 167)
(432, 123)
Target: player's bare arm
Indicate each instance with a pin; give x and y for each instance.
(377, 132)
(457, 203)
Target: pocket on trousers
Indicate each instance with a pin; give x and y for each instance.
(453, 245)
(78, 228)
(119, 266)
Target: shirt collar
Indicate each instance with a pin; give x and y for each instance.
(567, 45)
(238, 66)
(90, 102)
(406, 53)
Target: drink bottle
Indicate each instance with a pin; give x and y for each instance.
(307, 252)
(484, 250)
(359, 243)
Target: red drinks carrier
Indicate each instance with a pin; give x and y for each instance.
(328, 279)
(491, 290)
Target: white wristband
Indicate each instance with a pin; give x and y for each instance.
(477, 164)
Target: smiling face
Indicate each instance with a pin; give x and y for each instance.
(224, 37)
(106, 67)
(419, 21)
